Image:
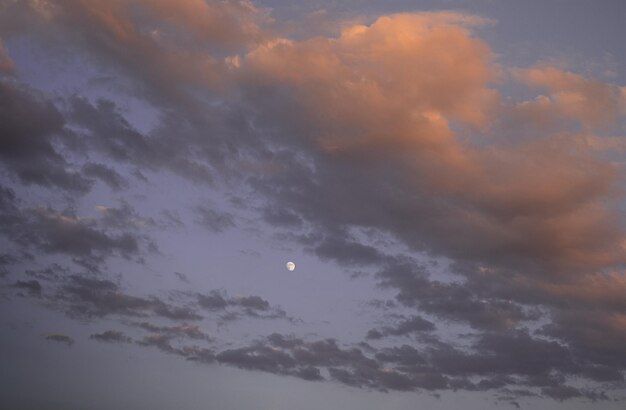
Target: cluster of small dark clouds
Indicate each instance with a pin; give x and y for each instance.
(431, 366)
(87, 297)
(48, 231)
(327, 141)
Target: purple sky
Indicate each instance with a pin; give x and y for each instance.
(446, 175)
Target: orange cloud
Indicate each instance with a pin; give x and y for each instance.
(398, 91)
(590, 102)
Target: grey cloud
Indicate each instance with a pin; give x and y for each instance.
(163, 343)
(348, 252)
(258, 358)
(404, 355)
(451, 301)
(110, 133)
(111, 336)
(58, 233)
(281, 217)
(7, 259)
(160, 341)
(213, 301)
(511, 363)
(32, 286)
(289, 355)
(60, 338)
(29, 124)
(54, 232)
(54, 273)
(561, 392)
(249, 306)
(66, 233)
(171, 219)
(187, 330)
(213, 220)
(87, 297)
(182, 277)
(106, 174)
(251, 302)
(405, 327)
(309, 373)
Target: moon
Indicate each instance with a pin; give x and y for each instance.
(290, 266)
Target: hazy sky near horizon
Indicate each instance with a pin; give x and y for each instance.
(448, 177)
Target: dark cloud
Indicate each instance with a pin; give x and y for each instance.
(106, 174)
(249, 306)
(258, 358)
(88, 241)
(163, 343)
(61, 338)
(281, 217)
(404, 328)
(160, 341)
(561, 392)
(53, 273)
(32, 286)
(53, 232)
(514, 364)
(108, 132)
(251, 302)
(404, 355)
(86, 297)
(7, 259)
(29, 124)
(451, 301)
(289, 355)
(182, 277)
(214, 221)
(187, 330)
(58, 233)
(213, 301)
(347, 252)
(113, 336)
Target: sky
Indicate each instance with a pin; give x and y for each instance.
(447, 177)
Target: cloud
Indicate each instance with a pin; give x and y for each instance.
(95, 298)
(162, 342)
(257, 358)
(406, 327)
(6, 64)
(33, 287)
(106, 174)
(88, 241)
(29, 124)
(60, 338)
(281, 217)
(489, 365)
(590, 102)
(187, 330)
(53, 232)
(288, 355)
(111, 336)
(182, 277)
(394, 127)
(147, 39)
(234, 307)
(213, 220)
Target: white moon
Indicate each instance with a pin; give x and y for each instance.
(290, 266)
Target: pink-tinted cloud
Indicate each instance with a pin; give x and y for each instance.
(590, 102)
(6, 64)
